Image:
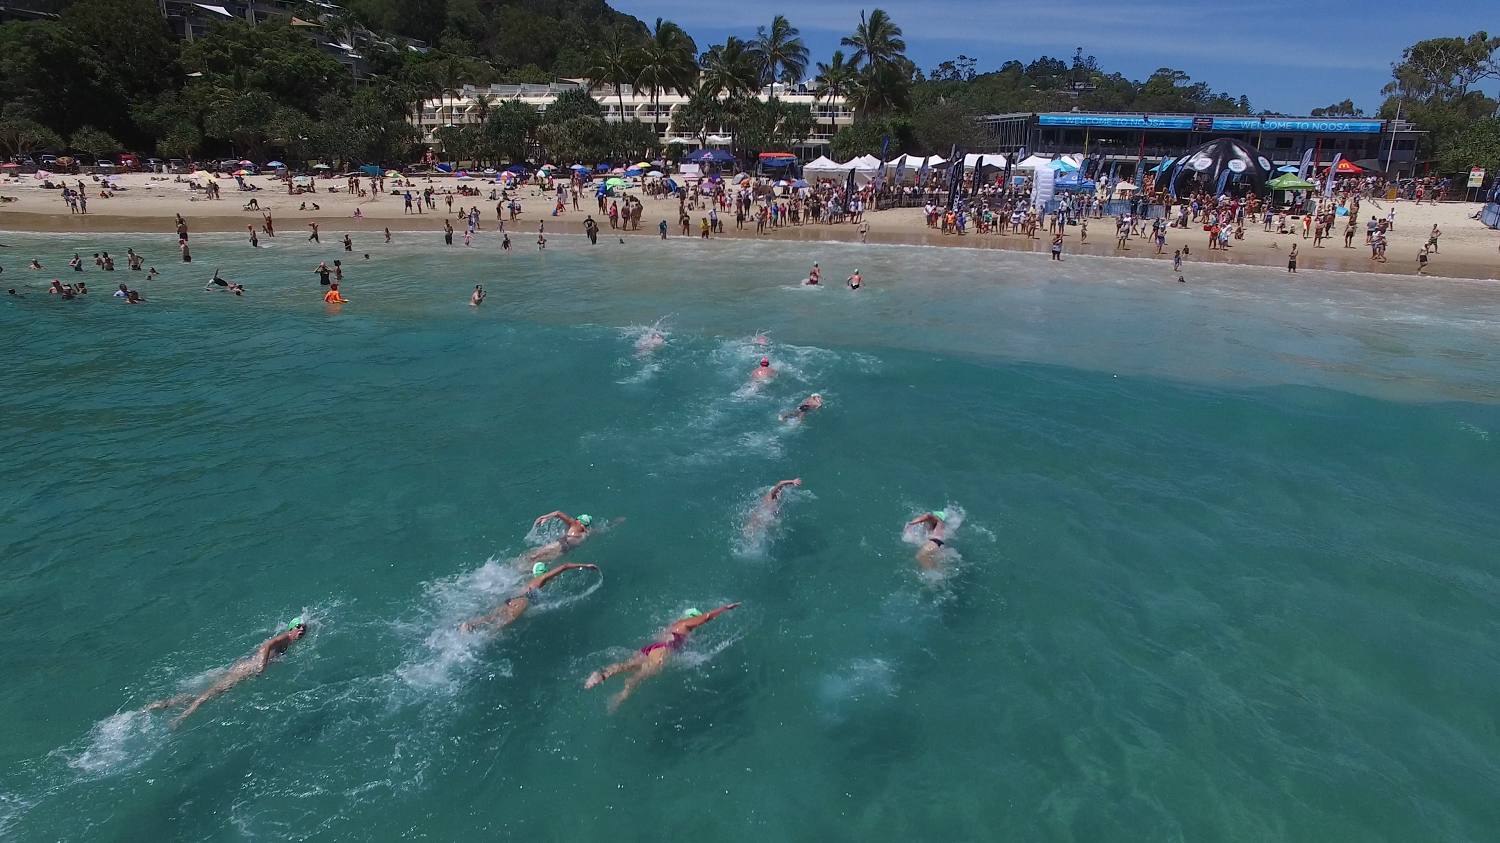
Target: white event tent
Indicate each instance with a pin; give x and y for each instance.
(824, 167)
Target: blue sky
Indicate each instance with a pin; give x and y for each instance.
(1286, 55)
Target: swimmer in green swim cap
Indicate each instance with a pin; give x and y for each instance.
(855, 281)
(812, 402)
(650, 659)
(240, 671)
(506, 613)
(814, 275)
(930, 554)
(577, 532)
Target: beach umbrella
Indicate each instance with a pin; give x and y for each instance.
(1062, 166)
(392, 174)
(247, 163)
(10, 166)
(615, 182)
(1286, 169)
(302, 180)
(274, 164)
(602, 168)
(515, 168)
(654, 174)
(633, 171)
(799, 184)
(489, 171)
(580, 168)
(783, 183)
(321, 167)
(243, 173)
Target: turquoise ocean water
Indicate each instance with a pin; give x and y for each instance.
(1226, 570)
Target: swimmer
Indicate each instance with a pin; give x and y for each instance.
(814, 275)
(332, 296)
(242, 670)
(770, 505)
(763, 372)
(13, 292)
(507, 612)
(34, 264)
(216, 281)
(577, 533)
(647, 344)
(937, 522)
(478, 298)
(650, 659)
(152, 274)
(813, 402)
(855, 281)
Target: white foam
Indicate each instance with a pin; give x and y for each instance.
(119, 743)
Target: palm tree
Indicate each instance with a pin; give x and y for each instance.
(782, 55)
(667, 64)
(614, 62)
(876, 41)
(731, 68)
(482, 105)
(835, 79)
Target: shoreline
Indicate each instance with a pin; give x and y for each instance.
(1468, 248)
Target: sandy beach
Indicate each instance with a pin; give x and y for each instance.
(147, 203)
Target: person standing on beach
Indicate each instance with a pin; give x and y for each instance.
(1057, 243)
(253, 666)
(1291, 259)
(591, 228)
(652, 658)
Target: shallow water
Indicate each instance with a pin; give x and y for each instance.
(1226, 569)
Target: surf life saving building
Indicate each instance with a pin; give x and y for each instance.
(1119, 141)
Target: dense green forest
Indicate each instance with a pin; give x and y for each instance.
(109, 76)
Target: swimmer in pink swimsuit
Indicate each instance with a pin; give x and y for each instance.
(650, 659)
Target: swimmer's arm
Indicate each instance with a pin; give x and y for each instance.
(920, 519)
(693, 623)
(542, 580)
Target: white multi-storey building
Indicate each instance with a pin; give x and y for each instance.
(463, 107)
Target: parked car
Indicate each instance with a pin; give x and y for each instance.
(129, 161)
(153, 164)
(176, 165)
(47, 159)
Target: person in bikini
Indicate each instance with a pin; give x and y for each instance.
(937, 523)
(813, 402)
(241, 671)
(507, 612)
(650, 659)
(577, 533)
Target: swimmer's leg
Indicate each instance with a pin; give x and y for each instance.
(649, 667)
(504, 615)
(598, 676)
(930, 557)
(169, 702)
(546, 553)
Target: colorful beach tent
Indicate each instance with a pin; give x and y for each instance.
(708, 156)
(1289, 181)
(1218, 161)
